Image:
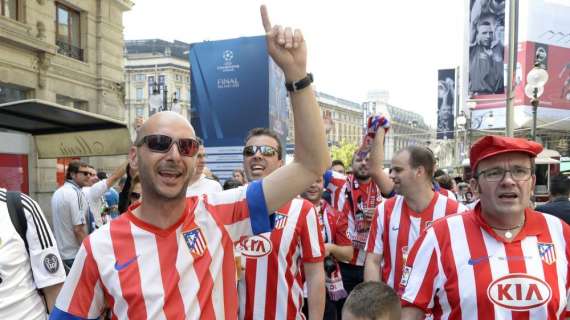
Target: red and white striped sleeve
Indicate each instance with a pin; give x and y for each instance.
(375, 242)
(312, 243)
(82, 294)
(242, 210)
(336, 184)
(421, 273)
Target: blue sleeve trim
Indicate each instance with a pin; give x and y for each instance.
(57, 314)
(258, 213)
(327, 178)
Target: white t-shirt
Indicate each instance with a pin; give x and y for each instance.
(203, 186)
(69, 207)
(21, 274)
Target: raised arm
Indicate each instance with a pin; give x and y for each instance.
(289, 51)
(376, 164)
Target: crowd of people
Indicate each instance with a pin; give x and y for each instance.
(312, 239)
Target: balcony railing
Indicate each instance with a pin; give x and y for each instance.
(69, 50)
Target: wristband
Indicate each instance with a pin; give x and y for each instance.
(299, 84)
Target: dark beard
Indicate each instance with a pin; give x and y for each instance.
(361, 177)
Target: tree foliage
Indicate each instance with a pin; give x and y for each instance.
(344, 152)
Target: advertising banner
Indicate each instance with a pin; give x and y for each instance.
(234, 87)
(486, 47)
(445, 103)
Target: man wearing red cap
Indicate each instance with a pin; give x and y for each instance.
(501, 260)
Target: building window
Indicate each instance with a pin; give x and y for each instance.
(9, 9)
(139, 94)
(140, 77)
(139, 111)
(178, 93)
(68, 33)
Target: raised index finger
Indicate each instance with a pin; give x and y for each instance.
(265, 18)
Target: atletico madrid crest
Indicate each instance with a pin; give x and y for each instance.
(195, 241)
(547, 252)
(280, 220)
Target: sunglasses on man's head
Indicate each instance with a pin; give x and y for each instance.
(160, 143)
(267, 151)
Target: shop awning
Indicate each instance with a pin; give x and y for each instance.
(61, 131)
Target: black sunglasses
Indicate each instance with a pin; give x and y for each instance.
(267, 151)
(160, 143)
(86, 173)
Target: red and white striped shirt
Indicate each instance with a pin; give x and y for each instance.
(395, 228)
(356, 199)
(463, 270)
(335, 225)
(272, 287)
(186, 271)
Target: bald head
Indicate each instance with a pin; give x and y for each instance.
(163, 120)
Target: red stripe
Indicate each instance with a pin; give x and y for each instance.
(482, 271)
(85, 289)
(251, 272)
(229, 271)
(373, 234)
(290, 278)
(388, 211)
(129, 277)
(167, 254)
(206, 285)
(550, 272)
(110, 302)
(239, 211)
(272, 275)
(443, 235)
(514, 249)
(402, 240)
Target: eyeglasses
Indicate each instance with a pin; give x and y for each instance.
(267, 151)
(135, 195)
(498, 174)
(160, 143)
(86, 173)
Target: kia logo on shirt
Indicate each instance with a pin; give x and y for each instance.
(256, 246)
(519, 292)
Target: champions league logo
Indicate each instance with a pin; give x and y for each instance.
(228, 55)
(51, 263)
(228, 65)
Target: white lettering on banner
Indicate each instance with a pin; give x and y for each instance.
(255, 247)
(519, 292)
(226, 83)
(84, 143)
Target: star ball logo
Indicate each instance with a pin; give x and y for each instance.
(228, 55)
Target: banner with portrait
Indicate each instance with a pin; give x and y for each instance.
(446, 99)
(486, 47)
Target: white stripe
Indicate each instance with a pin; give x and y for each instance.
(534, 268)
(419, 269)
(440, 207)
(556, 233)
(379, 243)
(313, 230)
(499, 265)
(95, 308)
(65, 295)
(394, 222)
(286, 242)
(102, 248)
(260, 296)
(189, 283)
(465, 274)
(150, 271)
(213, 238)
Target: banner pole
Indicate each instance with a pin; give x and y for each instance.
(513, 44)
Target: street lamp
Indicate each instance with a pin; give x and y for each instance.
(535, 81)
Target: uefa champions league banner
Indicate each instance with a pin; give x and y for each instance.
(235, 87)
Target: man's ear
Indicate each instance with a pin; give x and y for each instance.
(133, 159)
(474, 185)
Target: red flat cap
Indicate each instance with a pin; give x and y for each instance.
(490, 146)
